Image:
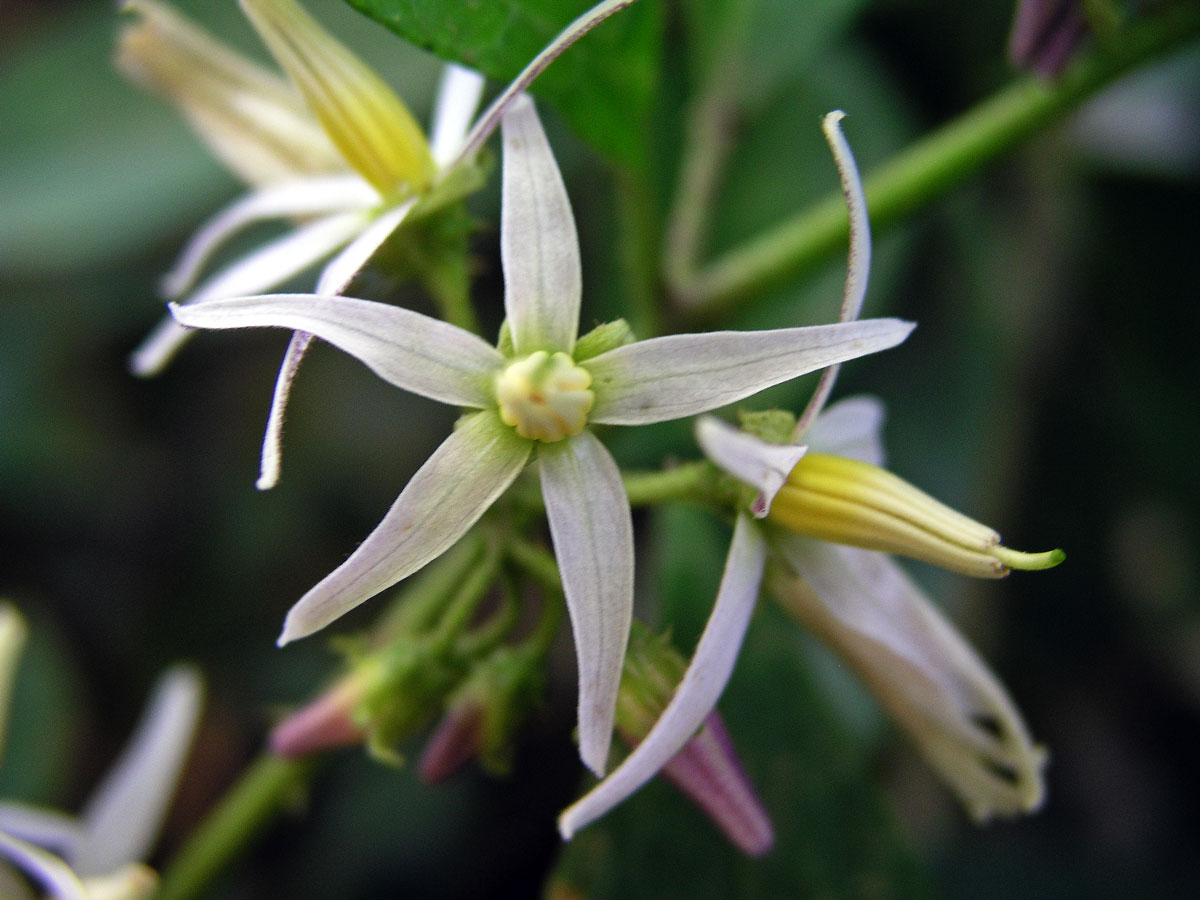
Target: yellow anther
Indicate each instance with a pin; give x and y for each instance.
(852, 502)
(544, 397)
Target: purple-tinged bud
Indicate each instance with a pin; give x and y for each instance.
(325, 724)
(1045, 34)
(454, 743)
(707, 769)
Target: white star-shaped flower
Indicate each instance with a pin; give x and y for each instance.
(344, 160)
(535, 399)
(97, 855)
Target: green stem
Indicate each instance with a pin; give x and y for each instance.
(418, 606)
(263, 791)
(474, 585)
(929, 167)
(698, 481)
(638, 255)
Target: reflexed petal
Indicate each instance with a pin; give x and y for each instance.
(265, 268)
(45, 868)
(850, 428)
(592, 529)
(46, 828)
(922, 670)
(539, 249)
(698, 692)
(336, 276)
(749, 459)
(415, 352)
(362, 116)
(124, 816)
(446, 496)
(457, 99)
(308, 197)
(491, 117)
(684, 374)
(250, 117)
(858, 267)
(272, 447)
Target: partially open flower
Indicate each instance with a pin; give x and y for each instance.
(816, 498)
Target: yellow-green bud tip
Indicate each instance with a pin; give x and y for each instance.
(1029, 562)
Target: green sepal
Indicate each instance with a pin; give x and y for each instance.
(603, 338)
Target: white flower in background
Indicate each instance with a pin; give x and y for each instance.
(534, 397)
(816, 498)
(97, 855)
(343, 159)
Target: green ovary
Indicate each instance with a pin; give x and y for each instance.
(545, 397)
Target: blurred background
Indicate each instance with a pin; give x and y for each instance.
(1048, 391)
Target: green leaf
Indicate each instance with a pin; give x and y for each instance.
(835, 836)
(604, 86)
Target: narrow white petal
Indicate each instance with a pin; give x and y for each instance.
(858, 267)
(123, 817)
(491, 117)
(340, 271)
(921, 669)
(592, 529)
(47, 828)
(539, 249)
(749, 459)
(446, 496)
(45, 868)
(293, 199)
(701, 687)
(417, 353)
(272, 447)
(261, 270)
(851, 428)
(457, 99)
(13, 633)
(684, 374)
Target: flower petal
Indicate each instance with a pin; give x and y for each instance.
(124, 815)
(272, 446)
(698, 692)
(684, 374)
(340, 271)
(858, 267)
(249, 116)
(457, 99)
(265, 268)
(414, 352)
(491, 117)
(920, 668)
(850, 428)
(45, 868)
(363, 117)
(592, 529)
(749, 459)
(446, 496)
(539, 249)
(46, 828)
(13, 633)
(305, 197)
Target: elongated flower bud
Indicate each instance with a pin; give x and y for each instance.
(707, 769)
(363, 117)
(847, 501)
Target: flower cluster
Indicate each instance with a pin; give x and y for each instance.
(815, 514)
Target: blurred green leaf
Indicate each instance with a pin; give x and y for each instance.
(834, 834)
(604, 86)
